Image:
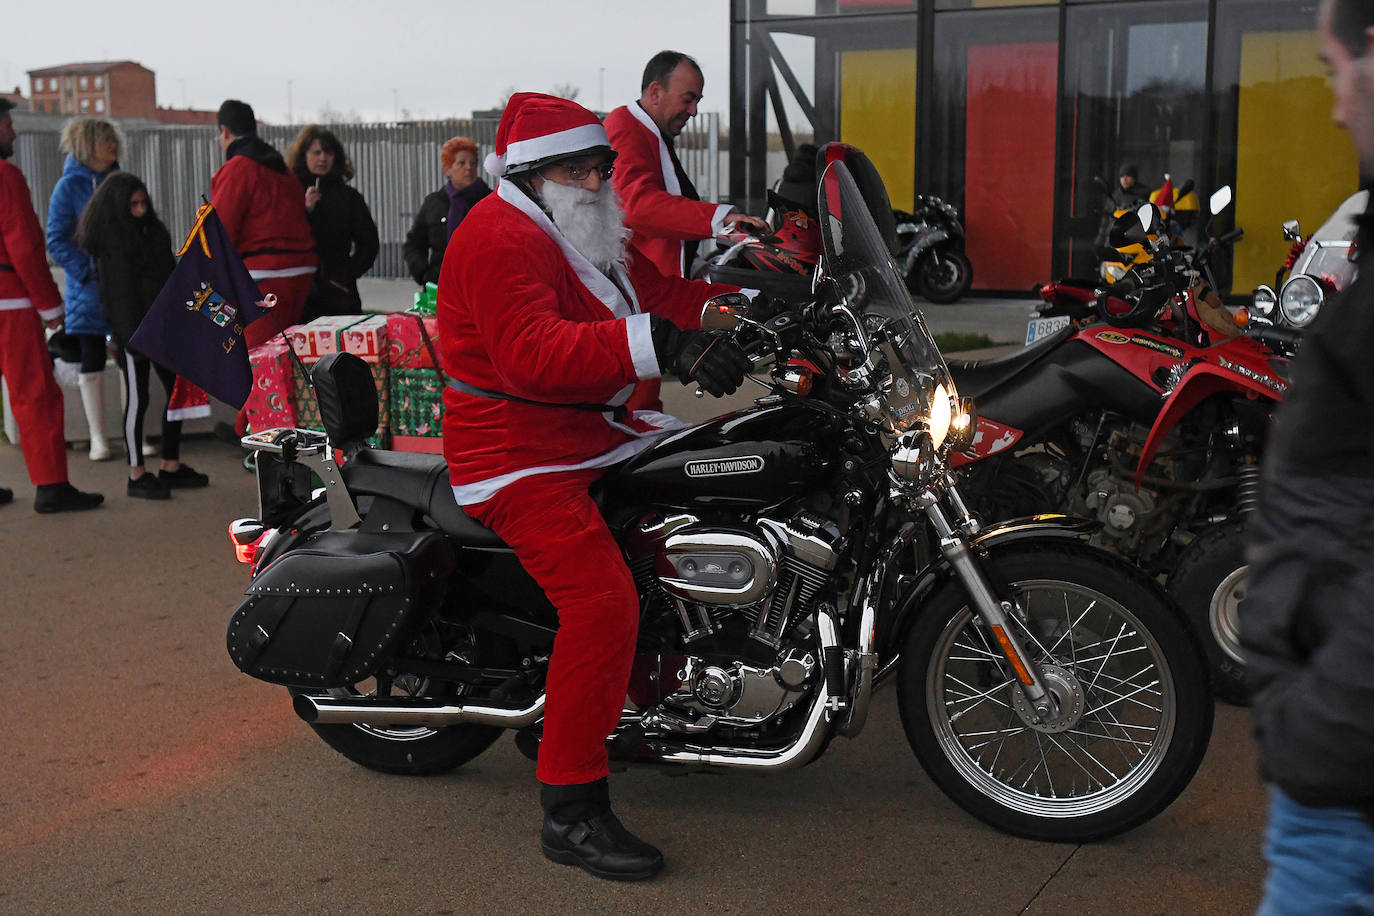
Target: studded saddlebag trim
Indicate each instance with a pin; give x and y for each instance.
(329, 613)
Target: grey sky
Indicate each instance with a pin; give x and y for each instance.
(428, 58)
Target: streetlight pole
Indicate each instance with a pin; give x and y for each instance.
(395, 106)
(601, 92)
(290, 111)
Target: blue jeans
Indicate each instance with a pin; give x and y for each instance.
(1321, 860)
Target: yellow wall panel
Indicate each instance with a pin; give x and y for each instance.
(1292, 162)
(878, 115)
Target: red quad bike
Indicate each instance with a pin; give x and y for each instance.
(1152, 422)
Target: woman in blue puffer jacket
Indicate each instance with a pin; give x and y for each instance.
(92, 148)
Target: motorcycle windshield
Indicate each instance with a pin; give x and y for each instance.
(912, 381)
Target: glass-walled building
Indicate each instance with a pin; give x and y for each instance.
(1009, 109)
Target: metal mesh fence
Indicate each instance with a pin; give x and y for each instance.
(396, 165)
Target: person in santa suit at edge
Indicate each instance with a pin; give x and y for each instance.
(662, 208)
(260, 204)
(29, 300)
(553, 335)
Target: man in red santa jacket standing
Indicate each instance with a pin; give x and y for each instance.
(662, 208)
(29, 300)
(262, 207)
(553, 335)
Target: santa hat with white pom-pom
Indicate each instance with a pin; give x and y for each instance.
(538, 129)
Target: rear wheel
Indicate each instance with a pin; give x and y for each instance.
(421, 750)
(1134, 714)
(405, 750)
(942, 277)
(1209, 585)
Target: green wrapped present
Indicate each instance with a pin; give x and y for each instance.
(426, 300)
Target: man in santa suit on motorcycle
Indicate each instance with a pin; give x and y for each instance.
(662, 207)
(553, 335)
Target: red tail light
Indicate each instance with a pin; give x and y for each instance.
(249, 536)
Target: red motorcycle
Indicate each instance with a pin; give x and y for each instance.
(1153, 422)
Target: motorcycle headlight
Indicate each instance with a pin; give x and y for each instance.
(941, 415)
(913, 456)
(1302, 298)
(1264, 301)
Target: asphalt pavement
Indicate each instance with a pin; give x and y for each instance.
(144, 774)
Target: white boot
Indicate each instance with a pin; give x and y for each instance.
(92, 385)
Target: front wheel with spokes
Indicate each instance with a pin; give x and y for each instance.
(1132, 713)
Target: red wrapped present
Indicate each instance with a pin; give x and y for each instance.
(366, 338)
(320, 337)
(271, 403)
(405, 346)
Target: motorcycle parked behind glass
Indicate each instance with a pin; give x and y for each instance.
(930, 250)
(791, 557)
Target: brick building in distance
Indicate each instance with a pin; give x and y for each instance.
(119, 89)
(111, 89)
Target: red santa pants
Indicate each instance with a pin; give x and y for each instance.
(35, 396)
(562, 541)
(291, 293)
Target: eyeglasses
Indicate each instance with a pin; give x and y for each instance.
(603, 170)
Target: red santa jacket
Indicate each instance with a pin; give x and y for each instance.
(25, 281)
(523, 313)
(655, 210)
(263, 210)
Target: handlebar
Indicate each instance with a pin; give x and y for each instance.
(1276, 338)
(1230, 238)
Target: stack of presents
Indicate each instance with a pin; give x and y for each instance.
(409, 387)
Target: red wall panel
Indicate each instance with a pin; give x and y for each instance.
(1009, 157)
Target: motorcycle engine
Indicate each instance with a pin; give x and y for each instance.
(1125, 512)
(742, 599)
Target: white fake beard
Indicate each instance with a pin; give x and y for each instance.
(591, 221)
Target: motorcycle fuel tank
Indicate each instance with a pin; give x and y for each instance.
(746, 459)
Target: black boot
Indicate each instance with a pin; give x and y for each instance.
(63, 497)
(580, 829)
(6, 495)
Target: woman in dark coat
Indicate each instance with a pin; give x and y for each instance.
(443, 210)
(132, 253)
(345, 233)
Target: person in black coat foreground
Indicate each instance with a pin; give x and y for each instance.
(132, 251)
(1307, 622)
(442, 211)
(344, 231)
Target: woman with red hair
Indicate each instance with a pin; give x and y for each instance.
(443, 210)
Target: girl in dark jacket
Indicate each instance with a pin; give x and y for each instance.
(442, 211)
(345, 233)
(132, 252)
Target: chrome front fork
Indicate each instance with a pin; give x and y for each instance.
(995, 613)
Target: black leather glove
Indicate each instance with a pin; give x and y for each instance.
(764, 307)
(711, 360)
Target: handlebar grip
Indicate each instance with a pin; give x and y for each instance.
(1128, 284)
(1274, 337)
(1230, 238)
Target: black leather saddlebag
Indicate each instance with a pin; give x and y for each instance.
(330, 612)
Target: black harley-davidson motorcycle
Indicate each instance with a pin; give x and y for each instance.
(791, 557)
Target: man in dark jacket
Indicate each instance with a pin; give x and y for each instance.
(1307, 626)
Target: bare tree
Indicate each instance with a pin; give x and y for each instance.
(565, 90)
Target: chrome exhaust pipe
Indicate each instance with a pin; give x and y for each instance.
(330, 710)
(801, 751)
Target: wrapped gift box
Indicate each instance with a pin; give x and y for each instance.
(405, 347)
(272, 402)
(321, 336)
(417, 403)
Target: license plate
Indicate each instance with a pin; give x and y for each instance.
(1040, 328)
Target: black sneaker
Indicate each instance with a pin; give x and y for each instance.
(6, 495)
(602, 846)
(183, 478)
(63, 497)
(148, 487)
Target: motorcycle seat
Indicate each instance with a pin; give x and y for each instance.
(421, 482)
(975, 378)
